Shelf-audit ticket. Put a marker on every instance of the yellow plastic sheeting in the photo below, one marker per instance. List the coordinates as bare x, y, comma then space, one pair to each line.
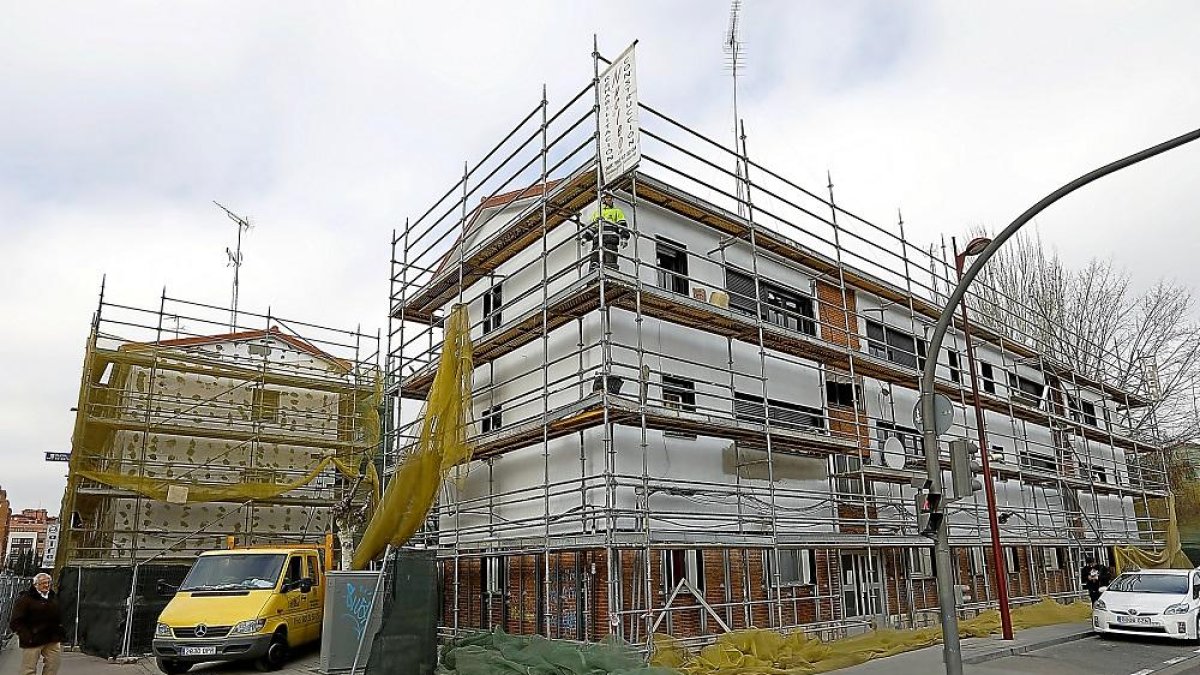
1170, 557
441, 446
156, 488
763, 652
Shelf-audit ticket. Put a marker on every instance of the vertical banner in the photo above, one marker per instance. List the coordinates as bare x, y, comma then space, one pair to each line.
620, 150
50, 552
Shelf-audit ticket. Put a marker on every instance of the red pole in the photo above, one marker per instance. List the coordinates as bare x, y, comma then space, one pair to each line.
1001, 578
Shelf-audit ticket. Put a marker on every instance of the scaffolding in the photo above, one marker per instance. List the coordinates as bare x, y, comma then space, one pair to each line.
191, 431
709, 427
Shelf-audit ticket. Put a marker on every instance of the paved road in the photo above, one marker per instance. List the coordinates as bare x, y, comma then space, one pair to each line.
1095, 656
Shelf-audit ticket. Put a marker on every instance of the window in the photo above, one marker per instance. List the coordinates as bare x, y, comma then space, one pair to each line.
683, 564
1012, 560
493, 298
781, 306
493, 575
294, 573
1050, 559
1099, 474
842, 393
955, 369
678, 393
846, 467
914, 444
1032, 460
796, 567
314, 572
920, 562
492, 419
1024, 387
265, 404
989, 377
1088, 411
786, 415
976, 561
997, 454
888, 343
672, 265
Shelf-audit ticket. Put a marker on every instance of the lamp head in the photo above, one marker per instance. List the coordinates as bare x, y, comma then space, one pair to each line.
976, 246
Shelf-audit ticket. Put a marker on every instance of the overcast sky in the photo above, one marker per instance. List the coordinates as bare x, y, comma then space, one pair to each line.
329, 123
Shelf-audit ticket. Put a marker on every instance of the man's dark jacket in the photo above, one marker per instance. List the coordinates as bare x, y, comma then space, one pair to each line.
36, 620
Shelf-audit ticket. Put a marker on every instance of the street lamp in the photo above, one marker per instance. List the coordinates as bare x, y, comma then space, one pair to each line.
947, 610
975, 247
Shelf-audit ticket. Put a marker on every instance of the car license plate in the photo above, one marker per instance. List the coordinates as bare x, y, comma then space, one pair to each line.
197, 651
1133, 619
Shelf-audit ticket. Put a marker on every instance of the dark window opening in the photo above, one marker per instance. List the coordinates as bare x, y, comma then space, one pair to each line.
842, 393
750, 408
492, 419
1026, 386
989, 377
780, 305
955, 369
1032, 460
265, 403
683, 564
678, 393
898, 347
493, 570
796, 567
493, 298
1089, 412
672, 265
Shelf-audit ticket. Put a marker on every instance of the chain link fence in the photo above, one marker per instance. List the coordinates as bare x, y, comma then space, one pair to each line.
10, 588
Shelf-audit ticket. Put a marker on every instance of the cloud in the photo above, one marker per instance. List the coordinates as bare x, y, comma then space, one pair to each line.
329, 124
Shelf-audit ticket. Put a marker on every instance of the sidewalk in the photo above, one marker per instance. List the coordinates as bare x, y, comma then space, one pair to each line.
78, 663
974, 651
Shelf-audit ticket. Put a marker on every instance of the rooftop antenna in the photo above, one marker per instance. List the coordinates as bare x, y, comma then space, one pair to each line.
235, 261
735, 62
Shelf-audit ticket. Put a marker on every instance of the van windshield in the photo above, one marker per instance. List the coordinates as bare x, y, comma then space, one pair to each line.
1150, 583
234, 572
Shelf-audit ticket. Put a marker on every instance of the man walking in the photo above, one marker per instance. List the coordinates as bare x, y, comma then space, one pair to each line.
1094, 577
37, 621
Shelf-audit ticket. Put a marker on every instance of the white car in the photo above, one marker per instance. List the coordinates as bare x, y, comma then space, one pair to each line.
1150, 602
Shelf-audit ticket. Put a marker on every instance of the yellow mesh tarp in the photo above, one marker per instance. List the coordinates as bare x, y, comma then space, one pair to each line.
1170, 557
763, 652
442, 445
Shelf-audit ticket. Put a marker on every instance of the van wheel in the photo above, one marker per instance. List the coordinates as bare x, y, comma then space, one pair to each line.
169, 667
276, 654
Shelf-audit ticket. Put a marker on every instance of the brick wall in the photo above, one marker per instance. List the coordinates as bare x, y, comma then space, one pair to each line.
832, 312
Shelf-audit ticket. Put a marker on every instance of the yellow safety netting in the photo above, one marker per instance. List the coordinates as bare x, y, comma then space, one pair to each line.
1170, 557
441, 446
764, 652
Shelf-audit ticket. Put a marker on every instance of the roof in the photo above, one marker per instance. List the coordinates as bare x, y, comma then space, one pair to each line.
282, 548
1173, 572
273, 332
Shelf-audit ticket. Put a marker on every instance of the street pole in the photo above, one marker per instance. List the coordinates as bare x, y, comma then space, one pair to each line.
951, 653
998, 565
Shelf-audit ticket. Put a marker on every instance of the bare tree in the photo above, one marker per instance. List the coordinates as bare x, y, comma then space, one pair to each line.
1092, 321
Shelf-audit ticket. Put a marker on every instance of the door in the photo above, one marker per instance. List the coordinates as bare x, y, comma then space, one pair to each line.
316, 596
295, 600
862, 588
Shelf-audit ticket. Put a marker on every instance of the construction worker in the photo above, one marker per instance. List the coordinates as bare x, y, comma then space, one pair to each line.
607, 231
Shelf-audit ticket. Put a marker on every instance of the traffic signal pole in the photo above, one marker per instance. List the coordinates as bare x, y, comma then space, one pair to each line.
989, 487
951, 652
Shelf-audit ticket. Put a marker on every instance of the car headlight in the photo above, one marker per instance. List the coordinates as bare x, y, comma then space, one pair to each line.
162, 630
248, 626
1178, 608
1099, 604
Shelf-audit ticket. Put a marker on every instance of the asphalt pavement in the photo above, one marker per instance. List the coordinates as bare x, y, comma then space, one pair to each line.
1095, 656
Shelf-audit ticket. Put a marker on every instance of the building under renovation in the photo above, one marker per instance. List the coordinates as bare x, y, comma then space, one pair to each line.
196, 430
701, 418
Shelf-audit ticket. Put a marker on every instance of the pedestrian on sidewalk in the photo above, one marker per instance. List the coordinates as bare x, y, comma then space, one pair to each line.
1095, 576
37, 621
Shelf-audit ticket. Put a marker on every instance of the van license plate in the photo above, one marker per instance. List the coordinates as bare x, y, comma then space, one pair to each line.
197, 651
1133, 619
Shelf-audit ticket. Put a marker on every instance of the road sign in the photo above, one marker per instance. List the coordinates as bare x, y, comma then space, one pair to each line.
58, 456
943, 414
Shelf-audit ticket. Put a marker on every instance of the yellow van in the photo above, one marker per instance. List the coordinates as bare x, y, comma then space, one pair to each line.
243, 604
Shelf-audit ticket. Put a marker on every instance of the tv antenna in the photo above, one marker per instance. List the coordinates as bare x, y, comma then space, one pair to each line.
735, 62
234, 261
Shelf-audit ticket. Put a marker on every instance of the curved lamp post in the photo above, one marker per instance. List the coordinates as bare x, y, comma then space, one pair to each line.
952, 655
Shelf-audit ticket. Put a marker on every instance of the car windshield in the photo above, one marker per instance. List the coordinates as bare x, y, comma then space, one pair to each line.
1150, 583
234, 572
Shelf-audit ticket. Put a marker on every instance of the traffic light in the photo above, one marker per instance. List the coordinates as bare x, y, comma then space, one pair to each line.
962, 595
963, 467
929, 516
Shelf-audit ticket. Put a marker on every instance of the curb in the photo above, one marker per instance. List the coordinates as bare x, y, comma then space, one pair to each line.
1027, 647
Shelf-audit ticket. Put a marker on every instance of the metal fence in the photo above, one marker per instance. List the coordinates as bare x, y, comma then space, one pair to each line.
10, 588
